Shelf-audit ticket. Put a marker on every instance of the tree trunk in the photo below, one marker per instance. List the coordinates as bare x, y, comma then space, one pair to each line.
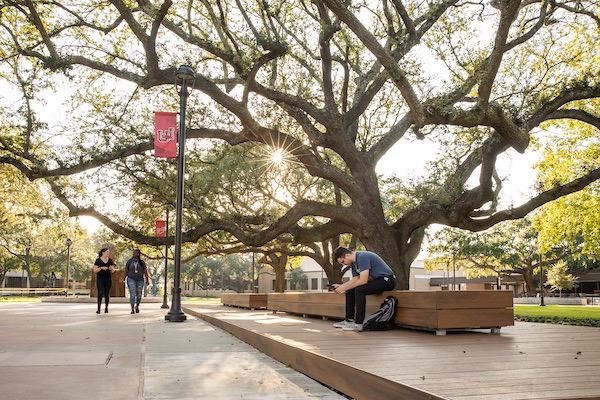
27, 265
333, 273
332, 269
280, 280
2, 275
278, 263
528, 277
397, 253
395, 244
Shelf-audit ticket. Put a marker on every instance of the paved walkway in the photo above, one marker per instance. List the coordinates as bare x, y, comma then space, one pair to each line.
66, 351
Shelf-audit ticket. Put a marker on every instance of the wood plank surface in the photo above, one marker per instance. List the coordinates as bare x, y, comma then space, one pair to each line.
474, 318
420, 309
356, 383
412, 298
473, 299
525, 361
246, 300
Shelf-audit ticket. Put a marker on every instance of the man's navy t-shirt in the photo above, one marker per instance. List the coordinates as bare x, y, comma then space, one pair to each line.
367, 260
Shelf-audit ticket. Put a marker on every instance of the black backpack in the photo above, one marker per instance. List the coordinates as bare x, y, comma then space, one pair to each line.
383, 319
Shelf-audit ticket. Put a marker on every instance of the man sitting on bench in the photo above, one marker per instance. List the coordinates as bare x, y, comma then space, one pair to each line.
370, 275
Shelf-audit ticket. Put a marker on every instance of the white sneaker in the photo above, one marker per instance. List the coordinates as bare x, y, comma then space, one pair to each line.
353, 327
342, 324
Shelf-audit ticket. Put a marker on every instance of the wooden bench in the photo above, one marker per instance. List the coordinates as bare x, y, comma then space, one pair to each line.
117, 288
246, 300
433, 310
32, 291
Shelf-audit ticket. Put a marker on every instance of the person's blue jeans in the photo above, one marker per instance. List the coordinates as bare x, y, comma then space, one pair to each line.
135, 291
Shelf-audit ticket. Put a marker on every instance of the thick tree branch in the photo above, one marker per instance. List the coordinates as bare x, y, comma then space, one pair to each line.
150, 44
521, 211
295, 101
493, 116
508, 13
391, 137
327, 32
529, 34
285, 224
383, 56
318, 234
37, 21
408, 23
577, 10
579, 115
454, 202
278, 51
35, 172
566, 96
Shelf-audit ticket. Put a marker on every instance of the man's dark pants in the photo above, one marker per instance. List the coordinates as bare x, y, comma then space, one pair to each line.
356, 298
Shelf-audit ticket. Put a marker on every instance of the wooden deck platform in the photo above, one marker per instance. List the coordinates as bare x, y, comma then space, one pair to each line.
525, 361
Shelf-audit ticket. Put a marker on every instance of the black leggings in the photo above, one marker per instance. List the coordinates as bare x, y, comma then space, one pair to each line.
103, 286
356, 301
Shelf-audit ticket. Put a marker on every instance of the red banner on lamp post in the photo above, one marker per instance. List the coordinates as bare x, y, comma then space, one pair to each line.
160, 228
165, 134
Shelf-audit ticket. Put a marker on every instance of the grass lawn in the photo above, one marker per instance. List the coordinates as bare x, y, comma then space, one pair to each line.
19, 299
204, 300
568, 315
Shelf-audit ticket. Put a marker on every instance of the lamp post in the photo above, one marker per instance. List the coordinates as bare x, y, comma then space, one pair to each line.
69, 242
453, 271
252, 284
164, 304
541, 282
185, 75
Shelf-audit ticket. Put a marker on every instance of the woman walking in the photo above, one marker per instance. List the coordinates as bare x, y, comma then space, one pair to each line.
135, 271
103, 267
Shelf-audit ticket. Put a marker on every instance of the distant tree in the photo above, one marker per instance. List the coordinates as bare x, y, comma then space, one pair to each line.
278, 261
297, 278
508, 248
559, 277
571, 221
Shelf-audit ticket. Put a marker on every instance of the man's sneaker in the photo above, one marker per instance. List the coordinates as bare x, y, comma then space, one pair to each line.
353, 327
342, 324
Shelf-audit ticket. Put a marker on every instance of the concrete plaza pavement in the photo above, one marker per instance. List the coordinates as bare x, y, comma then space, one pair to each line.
66, 351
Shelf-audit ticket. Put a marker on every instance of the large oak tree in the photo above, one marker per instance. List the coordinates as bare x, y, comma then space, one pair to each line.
336, 84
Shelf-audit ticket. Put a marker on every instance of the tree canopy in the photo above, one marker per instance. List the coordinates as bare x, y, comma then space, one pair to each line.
572, 221
508, 248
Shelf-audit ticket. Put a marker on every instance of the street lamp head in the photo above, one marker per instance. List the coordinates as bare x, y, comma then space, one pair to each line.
69, 242
185, 72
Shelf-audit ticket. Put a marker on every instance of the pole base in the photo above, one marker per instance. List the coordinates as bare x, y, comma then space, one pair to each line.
164, 305
175, 317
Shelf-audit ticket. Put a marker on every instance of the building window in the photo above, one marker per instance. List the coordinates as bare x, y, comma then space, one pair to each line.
273, 287
314, 284
324, 283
